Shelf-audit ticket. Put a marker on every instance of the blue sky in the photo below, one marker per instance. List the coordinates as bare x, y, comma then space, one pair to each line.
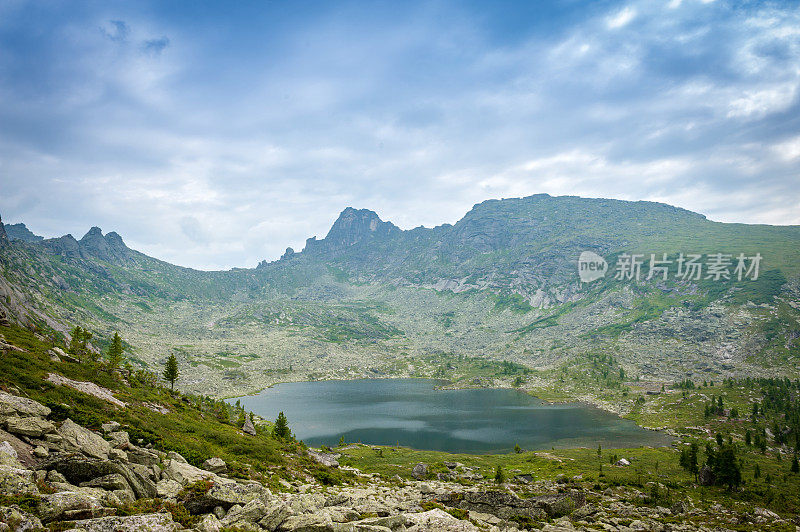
213, 136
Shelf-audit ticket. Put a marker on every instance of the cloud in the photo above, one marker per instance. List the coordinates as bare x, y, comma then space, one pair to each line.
215, 138
116, 30
155, 46
621, 19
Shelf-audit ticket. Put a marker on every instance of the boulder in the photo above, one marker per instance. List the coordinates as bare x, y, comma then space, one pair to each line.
18, 520
15, 480
326, 459
110, 426
215, 465
83, 440
248, 427
308, 523
144, 457
247, 515
184, 473
439, 521
622, 462
160, 522
275, 516
58, 505
12, 405
168, 489
209, 523
111, 482
77, 470
32, 427
420, 471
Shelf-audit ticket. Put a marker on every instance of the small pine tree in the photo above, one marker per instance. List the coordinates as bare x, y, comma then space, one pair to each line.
795, 465
281, 428
499, 476
171, 371
517, 448
341, 441
114, 354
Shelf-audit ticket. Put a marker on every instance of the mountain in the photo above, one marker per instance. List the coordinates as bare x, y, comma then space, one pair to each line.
20, 232
499, 286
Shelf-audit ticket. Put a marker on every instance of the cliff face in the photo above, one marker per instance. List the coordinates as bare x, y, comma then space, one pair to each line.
3, 237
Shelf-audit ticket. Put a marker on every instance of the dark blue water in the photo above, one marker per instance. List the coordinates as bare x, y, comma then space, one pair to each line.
412, 413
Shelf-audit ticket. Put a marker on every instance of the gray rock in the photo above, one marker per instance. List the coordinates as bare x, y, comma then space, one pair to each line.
215, 465
110, 426
111, 482
18, 520
78, 470
119, 439
32, 427
168, 489
326, 459
12, 405
209, 523
275, 516
184, 473
15, 480
160, 522
57, 505
84, 440
308, 523
420, 471
248, 427
144, 457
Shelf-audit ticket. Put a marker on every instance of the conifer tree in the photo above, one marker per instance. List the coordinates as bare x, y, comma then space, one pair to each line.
171, 371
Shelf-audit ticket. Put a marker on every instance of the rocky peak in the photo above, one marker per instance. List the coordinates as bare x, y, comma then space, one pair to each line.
21, 232
354, 226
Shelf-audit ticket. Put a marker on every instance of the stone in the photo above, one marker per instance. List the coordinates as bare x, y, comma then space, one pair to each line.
119, 439
168, 488
88, 388
183, 473
209, 523
144, 457
57, 505
6, 449
248, 427
12, 405
326, 459
439, 521
18, 520
160, 522
41, 452
420, 471
15, 480
172, 455
308, 523
32, 427
118, 454
77, 470
276, 515
110, 426
215, 465
84, 440
111, 482
622, 462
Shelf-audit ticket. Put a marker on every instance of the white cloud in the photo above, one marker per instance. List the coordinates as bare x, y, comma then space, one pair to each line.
621, 19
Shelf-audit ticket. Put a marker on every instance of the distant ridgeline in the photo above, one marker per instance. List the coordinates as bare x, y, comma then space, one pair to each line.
501, 283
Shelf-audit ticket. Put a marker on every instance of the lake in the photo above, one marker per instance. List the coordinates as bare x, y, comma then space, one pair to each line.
414, 414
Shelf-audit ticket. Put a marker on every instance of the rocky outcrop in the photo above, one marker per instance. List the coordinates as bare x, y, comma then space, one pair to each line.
21, 232
350, 228
89, 388
4, 241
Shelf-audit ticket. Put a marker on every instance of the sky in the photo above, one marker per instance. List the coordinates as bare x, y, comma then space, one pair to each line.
216, 134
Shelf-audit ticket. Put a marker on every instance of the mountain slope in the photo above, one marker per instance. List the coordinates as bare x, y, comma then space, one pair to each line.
370, 299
